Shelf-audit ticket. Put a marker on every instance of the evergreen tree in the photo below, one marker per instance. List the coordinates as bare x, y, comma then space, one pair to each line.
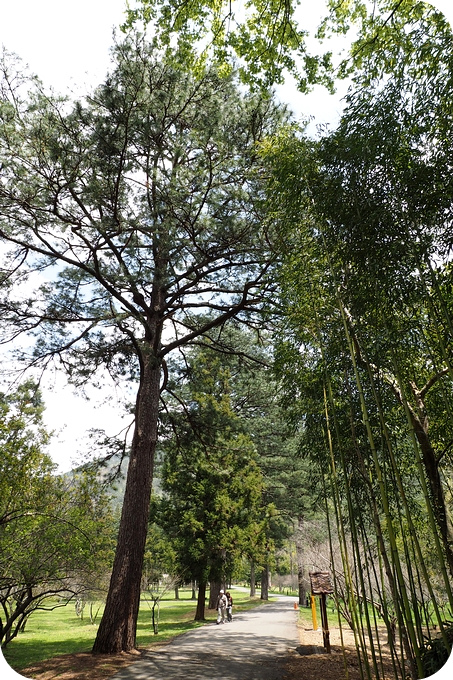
141, 206
212, 484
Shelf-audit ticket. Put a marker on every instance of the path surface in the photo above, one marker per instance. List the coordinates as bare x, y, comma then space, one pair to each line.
253, 646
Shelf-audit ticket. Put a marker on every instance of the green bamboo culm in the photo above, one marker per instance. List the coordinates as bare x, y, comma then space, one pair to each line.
332, 558
407, 631
349, 582
402, 497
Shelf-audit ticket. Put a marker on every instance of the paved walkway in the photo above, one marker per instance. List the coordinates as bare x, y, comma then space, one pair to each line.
252, 647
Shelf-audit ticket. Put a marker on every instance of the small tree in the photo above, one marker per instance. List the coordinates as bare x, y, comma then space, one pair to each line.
153, 592
53, 530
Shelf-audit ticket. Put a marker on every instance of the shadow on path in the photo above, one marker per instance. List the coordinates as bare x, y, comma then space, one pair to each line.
253, 647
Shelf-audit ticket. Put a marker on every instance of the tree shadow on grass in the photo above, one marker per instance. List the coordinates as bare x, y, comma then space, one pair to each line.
82, 666
18, 653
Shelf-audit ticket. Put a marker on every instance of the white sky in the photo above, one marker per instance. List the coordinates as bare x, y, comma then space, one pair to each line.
67, 45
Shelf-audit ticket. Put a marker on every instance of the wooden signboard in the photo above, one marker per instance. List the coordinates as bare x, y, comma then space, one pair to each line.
321, 585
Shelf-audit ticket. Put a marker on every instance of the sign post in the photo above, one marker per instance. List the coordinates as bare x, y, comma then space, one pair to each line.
322, 586
313, 613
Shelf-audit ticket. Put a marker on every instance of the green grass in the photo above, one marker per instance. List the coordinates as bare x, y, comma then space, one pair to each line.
306, 618
51, 633
48, 634
284, 591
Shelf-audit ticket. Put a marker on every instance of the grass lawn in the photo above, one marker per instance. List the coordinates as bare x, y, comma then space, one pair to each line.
51, 633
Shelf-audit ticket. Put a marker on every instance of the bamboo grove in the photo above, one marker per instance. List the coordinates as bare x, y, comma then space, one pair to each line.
365, 213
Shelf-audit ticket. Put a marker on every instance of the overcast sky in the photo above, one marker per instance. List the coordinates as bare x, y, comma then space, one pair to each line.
67, 45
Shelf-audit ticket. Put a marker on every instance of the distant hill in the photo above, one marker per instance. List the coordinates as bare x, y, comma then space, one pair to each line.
108, 473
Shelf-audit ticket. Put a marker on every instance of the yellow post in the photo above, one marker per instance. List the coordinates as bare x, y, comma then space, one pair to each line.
313, 612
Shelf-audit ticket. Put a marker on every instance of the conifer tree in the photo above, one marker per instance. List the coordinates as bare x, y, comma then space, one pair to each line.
141, 209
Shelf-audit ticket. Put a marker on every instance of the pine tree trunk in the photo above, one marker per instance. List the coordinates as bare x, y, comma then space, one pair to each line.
117, 630
214, 591
199, 614
265, 583
252, 579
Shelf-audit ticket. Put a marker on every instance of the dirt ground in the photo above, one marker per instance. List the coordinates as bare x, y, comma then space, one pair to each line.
88, 667
308, 662
83, 666
311, 662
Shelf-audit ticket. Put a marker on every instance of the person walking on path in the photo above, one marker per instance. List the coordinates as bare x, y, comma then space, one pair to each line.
221, 606
229, 607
